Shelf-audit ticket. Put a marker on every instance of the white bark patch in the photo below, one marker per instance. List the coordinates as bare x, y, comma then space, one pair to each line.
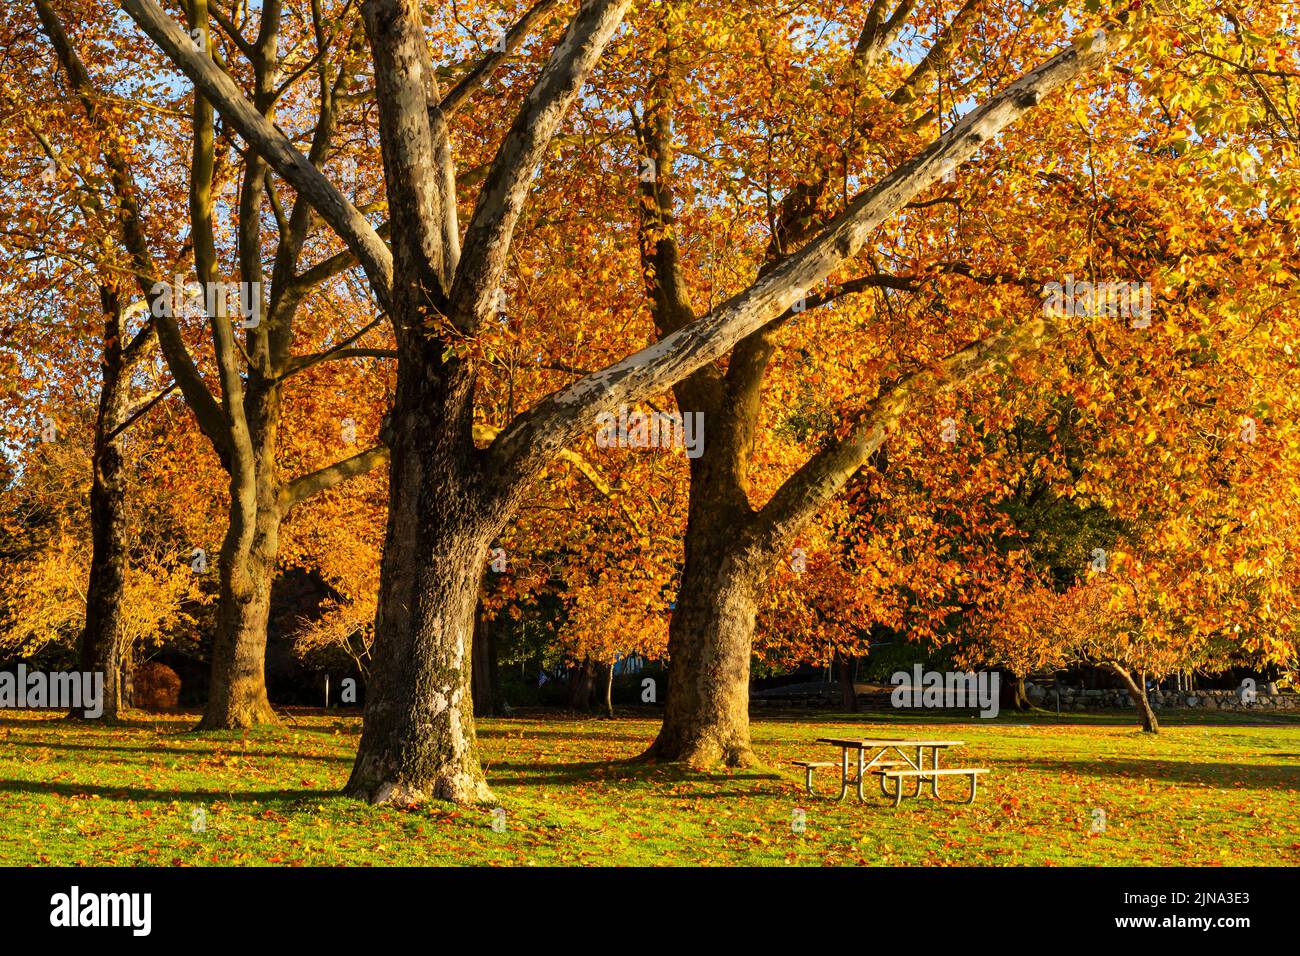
439, 704
456, 743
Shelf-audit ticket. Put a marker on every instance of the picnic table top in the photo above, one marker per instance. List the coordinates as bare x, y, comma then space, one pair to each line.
855, 742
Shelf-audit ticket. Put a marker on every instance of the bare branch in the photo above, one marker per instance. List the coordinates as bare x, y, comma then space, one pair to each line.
270, 143
473, 81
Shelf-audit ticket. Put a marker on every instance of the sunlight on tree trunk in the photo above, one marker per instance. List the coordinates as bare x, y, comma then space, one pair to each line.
706, 716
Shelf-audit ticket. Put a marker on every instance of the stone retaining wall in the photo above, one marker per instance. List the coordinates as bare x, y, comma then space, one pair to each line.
1072, 698
1078, 699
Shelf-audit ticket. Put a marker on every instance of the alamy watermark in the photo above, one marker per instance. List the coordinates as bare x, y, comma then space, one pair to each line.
239, 300
75, 908
952, 689
61, 690
630, 428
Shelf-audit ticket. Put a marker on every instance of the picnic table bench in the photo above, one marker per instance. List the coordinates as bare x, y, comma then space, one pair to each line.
892, 763
933, 776
876, 768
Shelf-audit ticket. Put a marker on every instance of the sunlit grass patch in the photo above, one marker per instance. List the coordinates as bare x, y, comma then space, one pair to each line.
1222, 791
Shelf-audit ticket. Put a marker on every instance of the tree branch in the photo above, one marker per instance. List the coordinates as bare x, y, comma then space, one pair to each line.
303, 487
538, 434
270, 143
501, 201
822, 477
878, 33
666, 288
300, 362
406, 91
473, 81
198, 396
937, 55
486, 433
140, 410
203, 236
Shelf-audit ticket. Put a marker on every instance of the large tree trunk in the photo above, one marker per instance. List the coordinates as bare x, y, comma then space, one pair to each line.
237, 697
418, 740
706, 718
103, 641
1138, 695
1020, 700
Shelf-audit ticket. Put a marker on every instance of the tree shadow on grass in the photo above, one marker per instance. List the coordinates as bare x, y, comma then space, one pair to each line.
1216, 776
160, 796
613, 771
344, 721
533, 732
173, 724
59, 720
183, 751
716, 795
182, 726
874, 717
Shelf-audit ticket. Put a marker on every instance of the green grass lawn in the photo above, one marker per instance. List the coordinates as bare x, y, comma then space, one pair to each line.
1218, 789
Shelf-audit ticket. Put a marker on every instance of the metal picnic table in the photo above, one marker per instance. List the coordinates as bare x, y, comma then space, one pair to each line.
882, 747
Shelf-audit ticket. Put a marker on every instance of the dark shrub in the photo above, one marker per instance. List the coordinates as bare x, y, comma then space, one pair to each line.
155, 686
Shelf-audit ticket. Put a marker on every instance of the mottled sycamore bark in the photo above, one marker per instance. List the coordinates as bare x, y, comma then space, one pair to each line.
418, 737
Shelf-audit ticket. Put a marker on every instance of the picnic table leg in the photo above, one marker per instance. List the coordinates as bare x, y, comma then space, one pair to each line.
974, 782
934, 779
883, 781
862, 772
844, 772
807, 782
915, 765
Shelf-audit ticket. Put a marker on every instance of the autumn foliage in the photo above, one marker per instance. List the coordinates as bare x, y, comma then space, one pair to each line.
1038, 408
